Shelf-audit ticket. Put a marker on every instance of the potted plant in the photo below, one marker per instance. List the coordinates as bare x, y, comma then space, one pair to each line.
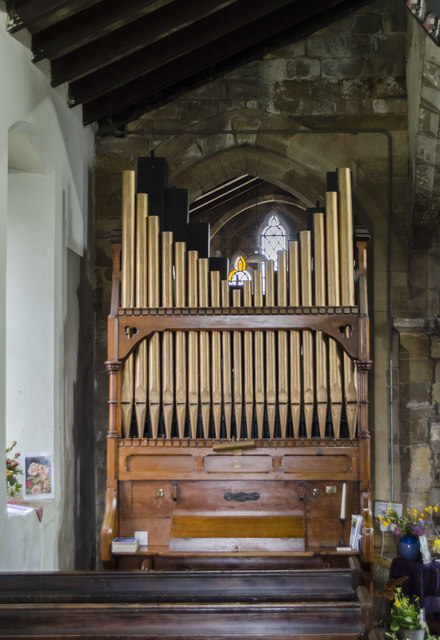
407, 528
405, 620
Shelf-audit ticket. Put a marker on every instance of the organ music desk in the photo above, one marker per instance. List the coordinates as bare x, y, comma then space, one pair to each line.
236, 414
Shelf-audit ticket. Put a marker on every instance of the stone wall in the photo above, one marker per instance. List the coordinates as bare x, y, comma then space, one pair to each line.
337, 98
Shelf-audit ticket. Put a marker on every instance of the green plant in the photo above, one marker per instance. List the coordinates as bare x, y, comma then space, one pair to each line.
392, 635
405, 613
13, 471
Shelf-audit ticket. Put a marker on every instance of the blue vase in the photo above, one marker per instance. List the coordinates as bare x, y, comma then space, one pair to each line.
408, 547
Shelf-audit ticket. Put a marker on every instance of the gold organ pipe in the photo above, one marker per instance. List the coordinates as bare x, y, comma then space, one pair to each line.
307, 337
216, 366
346, 237
295, 340
181, 364
283, 368
154, 342
193, 347
320, 299
127, 289
167, 337
205, 370
128, 238
140, 384
271, 398
259, 358
237, 368
227, 364
347, 289
248, 364
333, 298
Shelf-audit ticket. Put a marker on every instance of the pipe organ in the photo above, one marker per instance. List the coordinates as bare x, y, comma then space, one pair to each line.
236, 414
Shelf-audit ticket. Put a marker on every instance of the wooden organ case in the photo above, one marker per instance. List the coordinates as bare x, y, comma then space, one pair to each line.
236, 415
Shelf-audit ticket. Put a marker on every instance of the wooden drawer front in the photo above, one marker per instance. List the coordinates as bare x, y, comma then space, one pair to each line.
144, 498
263, 497
156, 465
238, 464
341, 466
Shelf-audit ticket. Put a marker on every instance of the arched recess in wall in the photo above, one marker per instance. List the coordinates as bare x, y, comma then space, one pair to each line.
295, 159
30, 330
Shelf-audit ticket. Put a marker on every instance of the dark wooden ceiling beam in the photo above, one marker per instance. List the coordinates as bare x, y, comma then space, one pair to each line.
35, 15
244, 14
162, 23
152, 94
88, 26
218, 57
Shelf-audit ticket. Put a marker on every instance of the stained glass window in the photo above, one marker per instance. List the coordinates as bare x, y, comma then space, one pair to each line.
273, 238
238, 274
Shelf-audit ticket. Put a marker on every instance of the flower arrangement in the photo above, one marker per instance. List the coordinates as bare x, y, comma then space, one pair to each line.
13, 471
413, 522
405, 613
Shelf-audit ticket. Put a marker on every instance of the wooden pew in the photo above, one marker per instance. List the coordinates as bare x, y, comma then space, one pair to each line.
286, 604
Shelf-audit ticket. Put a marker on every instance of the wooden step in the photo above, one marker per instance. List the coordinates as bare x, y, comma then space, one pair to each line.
178, 586
189, 621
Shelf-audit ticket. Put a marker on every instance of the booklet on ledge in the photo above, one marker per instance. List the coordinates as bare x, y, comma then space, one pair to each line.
356, 532
125, 545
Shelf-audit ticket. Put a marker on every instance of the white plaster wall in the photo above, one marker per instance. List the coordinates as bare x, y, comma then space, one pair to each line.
43, 419
29, 323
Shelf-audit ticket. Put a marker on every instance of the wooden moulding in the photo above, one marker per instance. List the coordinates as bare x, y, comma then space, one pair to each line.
332, 463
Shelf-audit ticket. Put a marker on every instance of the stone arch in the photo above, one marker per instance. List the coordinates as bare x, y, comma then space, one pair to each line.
292, 157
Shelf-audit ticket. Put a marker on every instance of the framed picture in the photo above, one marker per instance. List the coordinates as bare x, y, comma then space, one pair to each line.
38, 476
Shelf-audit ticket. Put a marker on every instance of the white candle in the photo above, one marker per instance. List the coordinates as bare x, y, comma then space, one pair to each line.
343, 499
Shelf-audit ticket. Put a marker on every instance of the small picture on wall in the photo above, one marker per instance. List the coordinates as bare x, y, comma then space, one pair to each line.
38, 475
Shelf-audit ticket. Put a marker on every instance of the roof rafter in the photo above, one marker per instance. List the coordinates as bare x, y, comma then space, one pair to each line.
115, 46
122, 59
39, 14
217, 57
93, 25
232, 24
